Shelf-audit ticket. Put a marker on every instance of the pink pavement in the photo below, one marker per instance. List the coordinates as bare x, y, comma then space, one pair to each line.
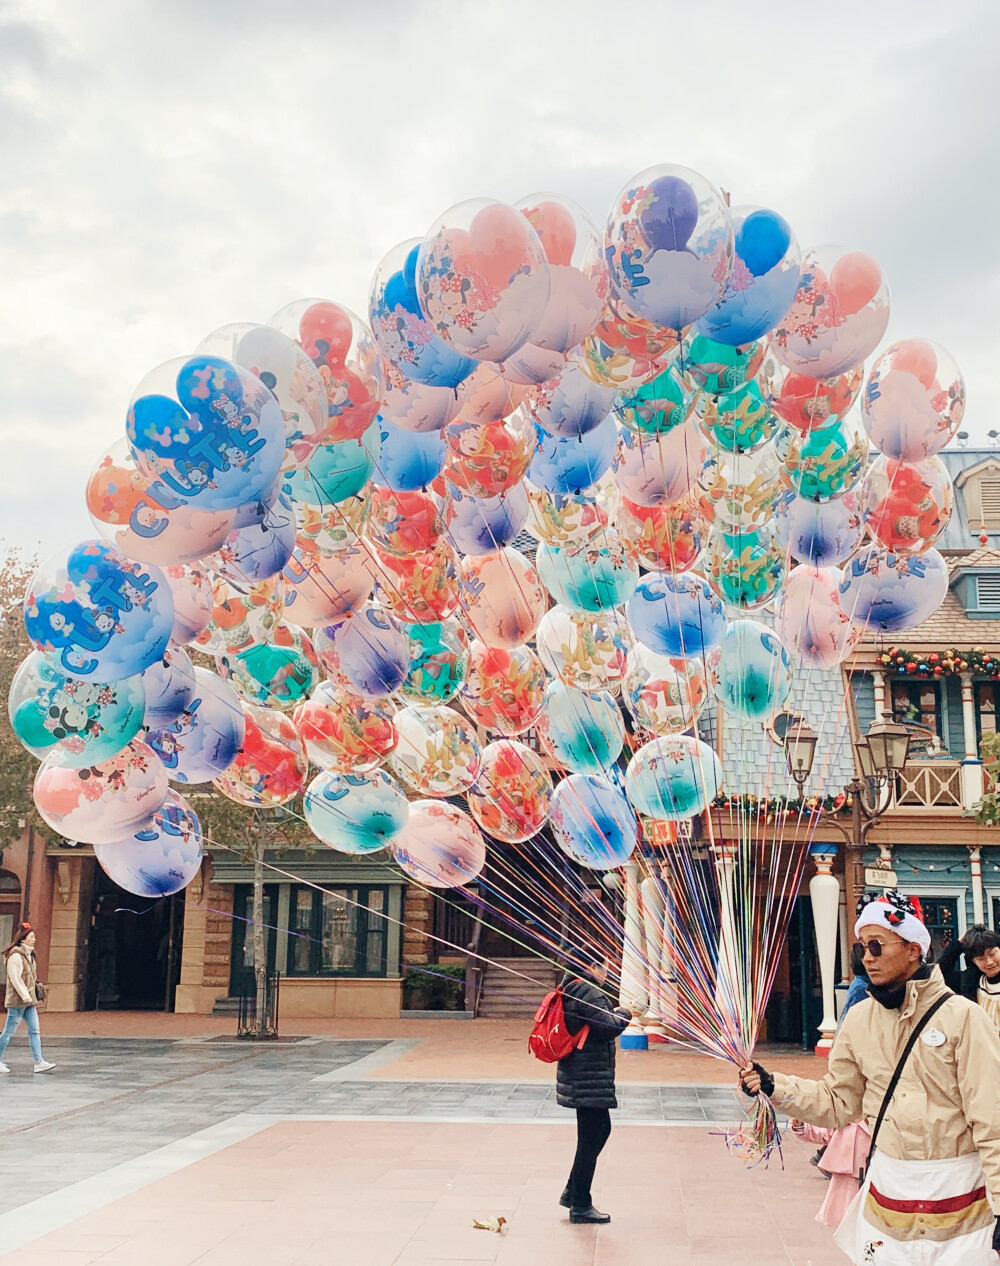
325, 1193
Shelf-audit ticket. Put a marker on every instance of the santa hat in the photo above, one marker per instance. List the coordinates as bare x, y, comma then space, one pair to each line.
896, 913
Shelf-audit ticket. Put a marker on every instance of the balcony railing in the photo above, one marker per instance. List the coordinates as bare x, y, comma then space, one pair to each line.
933, 785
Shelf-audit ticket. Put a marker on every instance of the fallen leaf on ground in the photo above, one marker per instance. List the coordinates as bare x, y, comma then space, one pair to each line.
490, 1224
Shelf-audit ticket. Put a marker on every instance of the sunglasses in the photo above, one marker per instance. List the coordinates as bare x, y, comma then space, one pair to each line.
874, 948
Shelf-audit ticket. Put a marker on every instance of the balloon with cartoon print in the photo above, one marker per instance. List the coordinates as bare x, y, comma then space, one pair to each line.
656, 406
838, 315
485, 460
510, 799
329, 529
145, 519
355, 813
653, 470
369, 649
827, 463
502, 597
439, 661
169, 686
740, 421
504, 689
739, 491
275, 674
271, 766
335, 472
437, 753
191, 588
824, 533
403, 522
914, 400
322, 587
84, 721
669, 537
407, 459
413, 408
594, 576
242, 618
343, 732
476, 525
805, 403
582, 649
664, 694
583, 731
440, 846
564, 518
753, 677
342, 348
260, 551
422, 586
762, 281
593, 823
207, 429
718, 369
97, 614
907, 505
571, 403
161, 857
103, 802
565, 464
203, 740
888, 593
673, 778
483, 279
625, 351
745, 569
404, 334
676, 615
668, 243
810, 619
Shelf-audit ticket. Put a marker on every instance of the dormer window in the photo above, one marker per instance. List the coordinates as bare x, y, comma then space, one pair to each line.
988, 592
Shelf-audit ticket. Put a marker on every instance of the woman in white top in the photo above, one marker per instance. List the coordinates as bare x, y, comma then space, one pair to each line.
22, 996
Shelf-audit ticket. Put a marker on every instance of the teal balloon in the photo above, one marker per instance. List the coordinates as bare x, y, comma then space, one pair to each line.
740, 421
656, 407
439, 661
336, 471
86, 722
754, 676
273, 674
746, 568
355, 813
718, 368
826, 463
673, 778
585, 731
592, 576
593, 823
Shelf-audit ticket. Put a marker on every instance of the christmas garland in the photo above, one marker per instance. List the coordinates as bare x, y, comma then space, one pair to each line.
945, 663
782, 806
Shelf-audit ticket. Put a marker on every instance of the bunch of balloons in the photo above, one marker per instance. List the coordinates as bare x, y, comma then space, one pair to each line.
560, 478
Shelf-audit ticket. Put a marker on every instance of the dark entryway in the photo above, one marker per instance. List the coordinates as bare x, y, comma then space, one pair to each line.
134, 949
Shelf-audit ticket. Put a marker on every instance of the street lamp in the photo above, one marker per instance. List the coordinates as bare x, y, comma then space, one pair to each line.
800, 751
889, 744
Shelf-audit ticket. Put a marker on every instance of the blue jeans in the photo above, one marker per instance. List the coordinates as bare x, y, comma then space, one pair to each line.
30, 1017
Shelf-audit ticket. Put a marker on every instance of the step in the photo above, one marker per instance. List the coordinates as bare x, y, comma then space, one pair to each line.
226, 1006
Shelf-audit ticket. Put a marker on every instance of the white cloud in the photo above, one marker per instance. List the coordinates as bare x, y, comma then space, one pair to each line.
168, 168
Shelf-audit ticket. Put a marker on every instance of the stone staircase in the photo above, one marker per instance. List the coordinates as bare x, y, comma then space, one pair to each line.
507, 995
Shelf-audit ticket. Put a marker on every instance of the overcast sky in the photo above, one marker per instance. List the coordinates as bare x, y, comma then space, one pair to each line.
167, 167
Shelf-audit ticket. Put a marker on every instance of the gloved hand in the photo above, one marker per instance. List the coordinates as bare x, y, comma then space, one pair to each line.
996, 1236
755, 1080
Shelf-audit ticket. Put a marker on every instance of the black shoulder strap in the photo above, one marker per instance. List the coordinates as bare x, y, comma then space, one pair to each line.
918, 1028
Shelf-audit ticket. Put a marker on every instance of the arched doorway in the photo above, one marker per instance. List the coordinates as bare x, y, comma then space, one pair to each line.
10, 906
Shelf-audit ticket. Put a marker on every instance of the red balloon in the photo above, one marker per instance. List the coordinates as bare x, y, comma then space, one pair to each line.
556, 230
855, 279
498, 244
917, 357
326, 333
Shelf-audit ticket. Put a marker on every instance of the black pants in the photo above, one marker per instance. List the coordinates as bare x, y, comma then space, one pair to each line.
593, 1129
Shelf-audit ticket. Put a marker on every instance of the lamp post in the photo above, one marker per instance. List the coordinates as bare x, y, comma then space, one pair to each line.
881, 755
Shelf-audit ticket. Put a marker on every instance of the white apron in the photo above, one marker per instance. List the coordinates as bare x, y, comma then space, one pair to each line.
920, 1213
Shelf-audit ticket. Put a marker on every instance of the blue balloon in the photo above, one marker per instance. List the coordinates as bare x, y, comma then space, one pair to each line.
162, 857
479, 525
355, 813
586, 731
676, 614
371, 650
754, 673
674, 777
336, 471
887, 592
762, 241
259, 551
825, 533
204, 740
169, 686
409, 459
218, 442
571, 463
254, 512
669, 213
401, 330
95, 613
763, 281
593, 822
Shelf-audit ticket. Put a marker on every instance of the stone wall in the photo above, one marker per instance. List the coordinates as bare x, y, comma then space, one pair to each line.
418, 926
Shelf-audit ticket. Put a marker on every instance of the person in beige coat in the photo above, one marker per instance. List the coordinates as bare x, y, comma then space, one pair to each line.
21, 998
932, 1191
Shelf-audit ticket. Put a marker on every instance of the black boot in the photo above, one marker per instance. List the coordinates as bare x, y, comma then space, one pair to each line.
565, 1199
588, 1215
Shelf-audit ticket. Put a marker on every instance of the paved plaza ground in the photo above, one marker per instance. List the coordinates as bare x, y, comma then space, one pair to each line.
161, 1141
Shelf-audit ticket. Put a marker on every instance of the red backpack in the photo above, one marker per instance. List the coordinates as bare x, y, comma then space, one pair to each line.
549, 1039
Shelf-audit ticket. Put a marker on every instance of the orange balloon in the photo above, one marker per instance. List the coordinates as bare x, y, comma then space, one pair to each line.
855, 279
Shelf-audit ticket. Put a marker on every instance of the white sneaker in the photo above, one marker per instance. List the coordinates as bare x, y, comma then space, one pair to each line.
44, 1067
4, 1068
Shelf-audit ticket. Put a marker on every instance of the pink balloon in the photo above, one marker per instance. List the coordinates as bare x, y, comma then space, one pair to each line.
659, 469
321, 587
502, 597
440, 845
810, 620
193, 602
914, 400
106, 802
855, 279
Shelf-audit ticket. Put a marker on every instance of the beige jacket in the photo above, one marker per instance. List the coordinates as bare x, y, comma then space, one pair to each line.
947, 1102
22, 976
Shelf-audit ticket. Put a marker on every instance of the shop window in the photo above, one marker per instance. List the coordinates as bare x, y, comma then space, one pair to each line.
337, 931
987, 699
917, 704
242, 958
941, 920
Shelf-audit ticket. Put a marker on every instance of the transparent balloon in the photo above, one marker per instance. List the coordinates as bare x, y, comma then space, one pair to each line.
827, 463
510, 799
103, 802
625, 351
656, 406
260, 551
439, 661
202, 741
718, 368
739, 422
343, 732
914, 400
241, 619
594, 576
583, 731
563, 518
485, 460
98, 615
407, 460
907, 505
437, 753
838, 315
404, 523
592, 821
321, 587
668, 243
329, 529
665, 695
571, 403
335, 472
420, 587
888, 593
754, 674
673, 778
741, 491
355, 813
477, 525
810, 620
652, 471
271, 766
161, 857
413, 408
504, 688
668, 537
169, 686
502, 597
823, 533
583, 650
191, 589
745, 568
578, 282
677, 615
806, 403
570, 464
276, 674
370, 650
440, 846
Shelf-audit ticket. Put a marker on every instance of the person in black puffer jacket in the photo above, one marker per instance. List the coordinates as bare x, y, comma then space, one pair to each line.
585, 1080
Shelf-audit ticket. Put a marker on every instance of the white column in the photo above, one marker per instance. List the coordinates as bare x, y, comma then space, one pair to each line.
878, 678
632, 991
651, 901
824, 890
978, 903
728, 995
972, 766
668, 985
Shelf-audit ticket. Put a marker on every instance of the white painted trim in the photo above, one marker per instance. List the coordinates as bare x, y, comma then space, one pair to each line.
989, 893
919, 889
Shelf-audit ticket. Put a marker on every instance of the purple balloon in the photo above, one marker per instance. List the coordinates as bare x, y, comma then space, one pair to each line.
669, 221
